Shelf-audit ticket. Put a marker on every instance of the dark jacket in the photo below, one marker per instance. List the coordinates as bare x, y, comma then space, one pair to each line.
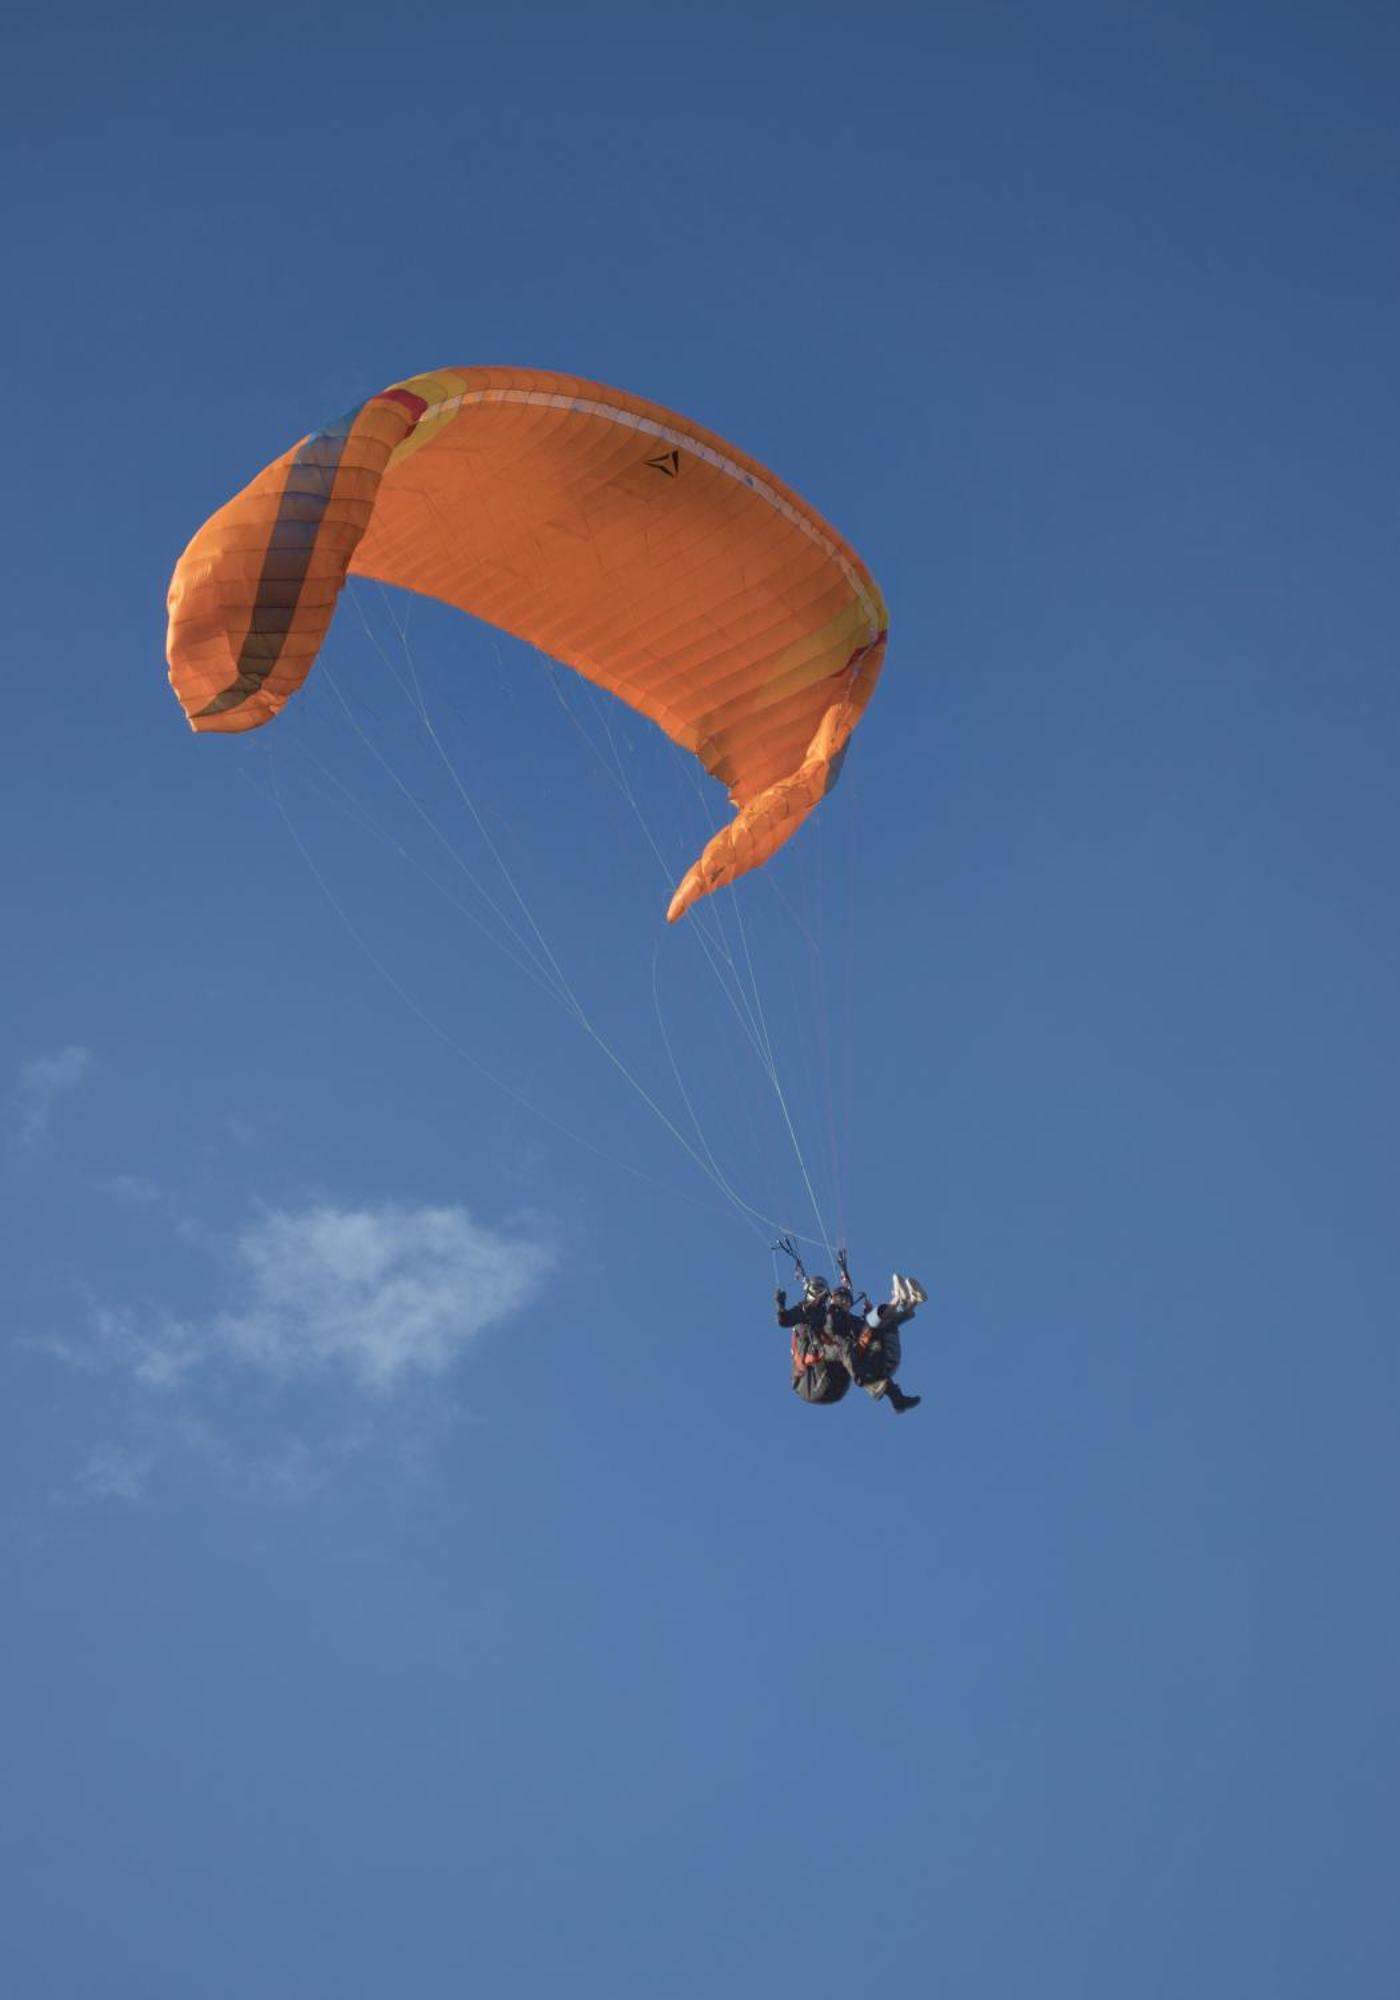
819, 1371
875, 1350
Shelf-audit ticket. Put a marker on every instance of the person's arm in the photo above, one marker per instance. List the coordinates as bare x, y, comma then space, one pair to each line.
787, 1315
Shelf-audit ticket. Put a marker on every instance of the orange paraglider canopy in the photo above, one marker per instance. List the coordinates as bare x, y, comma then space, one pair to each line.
630, 544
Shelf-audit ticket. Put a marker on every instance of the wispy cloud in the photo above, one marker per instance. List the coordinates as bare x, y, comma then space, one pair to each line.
292, 1468
154, 1348
379, 1294
42, 1083
112, 1472
367, 1301
373, 1295
134, 1190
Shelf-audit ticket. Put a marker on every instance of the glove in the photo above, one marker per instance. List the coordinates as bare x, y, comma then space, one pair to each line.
780, 1298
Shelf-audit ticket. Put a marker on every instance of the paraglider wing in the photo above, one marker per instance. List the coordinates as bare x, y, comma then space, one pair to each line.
625, 541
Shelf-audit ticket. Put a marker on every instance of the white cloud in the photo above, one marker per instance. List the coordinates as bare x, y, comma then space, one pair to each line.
378, 1294
42, 1083
363, 1302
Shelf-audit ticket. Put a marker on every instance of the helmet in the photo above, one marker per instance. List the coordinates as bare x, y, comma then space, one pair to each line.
842, 1295
815, 1288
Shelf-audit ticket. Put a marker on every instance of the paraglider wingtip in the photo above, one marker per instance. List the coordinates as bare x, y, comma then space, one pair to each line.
689, 892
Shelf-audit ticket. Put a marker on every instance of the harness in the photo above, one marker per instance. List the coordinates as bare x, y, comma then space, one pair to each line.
810, 1346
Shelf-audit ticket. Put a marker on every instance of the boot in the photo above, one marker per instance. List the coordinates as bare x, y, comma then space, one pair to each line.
899, 1402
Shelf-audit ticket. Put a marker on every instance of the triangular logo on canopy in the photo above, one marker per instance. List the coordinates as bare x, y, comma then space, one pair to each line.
669, 463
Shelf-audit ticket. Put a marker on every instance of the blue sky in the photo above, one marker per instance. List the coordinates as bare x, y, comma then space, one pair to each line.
417, 1574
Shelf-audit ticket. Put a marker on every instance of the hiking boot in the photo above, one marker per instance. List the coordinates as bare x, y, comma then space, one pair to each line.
899, 1402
